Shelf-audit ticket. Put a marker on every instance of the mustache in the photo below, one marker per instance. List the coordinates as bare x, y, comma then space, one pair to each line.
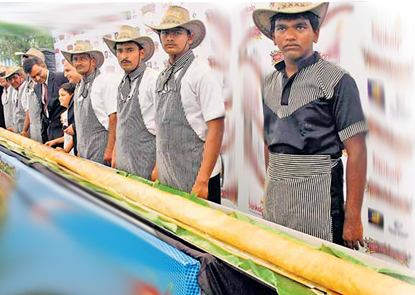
125, 60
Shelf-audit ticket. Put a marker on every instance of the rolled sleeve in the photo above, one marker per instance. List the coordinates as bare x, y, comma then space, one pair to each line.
347, 109
211, 98
110, 94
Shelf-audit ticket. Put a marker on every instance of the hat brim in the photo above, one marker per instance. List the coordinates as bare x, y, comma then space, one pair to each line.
196, 27
29, 54
145, 41
11, 73
262, 17
98, 55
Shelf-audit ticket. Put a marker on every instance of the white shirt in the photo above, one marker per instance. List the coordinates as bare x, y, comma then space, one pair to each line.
201, 93
5, 96
146, 98
67, 137
20, 93
45, 86
104, 91
26, 96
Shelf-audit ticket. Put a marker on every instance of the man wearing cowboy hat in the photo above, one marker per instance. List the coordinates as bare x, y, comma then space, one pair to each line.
16, 78
312, 112
47, 91
6, 101
4, 85
135, 150
189, 110
95, 104
33, 121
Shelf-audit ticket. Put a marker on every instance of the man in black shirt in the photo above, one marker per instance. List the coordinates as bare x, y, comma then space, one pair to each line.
312, 112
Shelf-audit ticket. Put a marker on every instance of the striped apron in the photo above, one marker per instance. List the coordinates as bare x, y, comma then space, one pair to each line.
135, 145
19, 114
35, 109
179, 149
92, 137
304, 192
7, 106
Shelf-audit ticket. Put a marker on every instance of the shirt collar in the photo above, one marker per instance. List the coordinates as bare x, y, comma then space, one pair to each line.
182, 60
280, 67
47, 77
91, 76
19, 89
137, 72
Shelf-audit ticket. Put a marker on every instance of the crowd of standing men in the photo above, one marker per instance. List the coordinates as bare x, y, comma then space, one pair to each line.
145, 123
169, 126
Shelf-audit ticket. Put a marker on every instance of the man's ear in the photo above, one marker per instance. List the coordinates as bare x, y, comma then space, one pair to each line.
273, 38
191, 38
316, 35
94, 62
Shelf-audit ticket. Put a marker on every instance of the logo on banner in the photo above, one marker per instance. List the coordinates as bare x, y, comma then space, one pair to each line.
250, 8
148, 8
372, 246
257, 208
347, 8
397, 230
277, 56
400, 144
385, 65
386, 195
256, 33
375, 218
376, 93
381, 167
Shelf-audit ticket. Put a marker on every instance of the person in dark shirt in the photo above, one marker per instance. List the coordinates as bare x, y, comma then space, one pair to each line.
312, 111
46, 89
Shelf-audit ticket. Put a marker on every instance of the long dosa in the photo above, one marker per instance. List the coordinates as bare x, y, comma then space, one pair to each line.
333, 273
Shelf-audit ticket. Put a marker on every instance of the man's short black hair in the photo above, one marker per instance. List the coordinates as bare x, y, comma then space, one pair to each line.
188, 31
139, 46
30, 62
313, 18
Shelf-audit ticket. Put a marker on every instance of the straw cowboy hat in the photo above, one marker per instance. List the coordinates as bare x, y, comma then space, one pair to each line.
10, 71
84, 46
130, 34
177, 16
33, 52
262, 17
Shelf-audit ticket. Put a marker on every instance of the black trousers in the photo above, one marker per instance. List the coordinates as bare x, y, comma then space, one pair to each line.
214, 189
337, 203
